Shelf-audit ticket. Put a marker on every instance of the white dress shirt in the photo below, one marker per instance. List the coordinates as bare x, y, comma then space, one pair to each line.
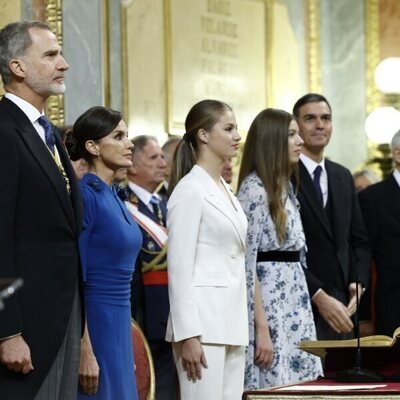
310, 166
396, 175
144, 195
30, 111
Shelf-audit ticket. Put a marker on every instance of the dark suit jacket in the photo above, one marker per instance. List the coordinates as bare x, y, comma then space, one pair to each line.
344, 245
380, 205
150, 302
39, 232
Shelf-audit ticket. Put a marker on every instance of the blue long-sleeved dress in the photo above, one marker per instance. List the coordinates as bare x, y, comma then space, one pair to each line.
109, 244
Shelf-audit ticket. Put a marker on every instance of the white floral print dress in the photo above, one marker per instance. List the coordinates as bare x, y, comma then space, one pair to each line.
284, 292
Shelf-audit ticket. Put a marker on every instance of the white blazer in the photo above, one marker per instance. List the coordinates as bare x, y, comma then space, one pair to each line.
206, 263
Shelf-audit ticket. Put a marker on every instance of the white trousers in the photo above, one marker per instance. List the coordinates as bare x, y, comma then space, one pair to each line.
222, 380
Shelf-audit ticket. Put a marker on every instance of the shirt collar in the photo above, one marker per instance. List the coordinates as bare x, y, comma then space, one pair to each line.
396, 175
28, 109
311, 164
142, 193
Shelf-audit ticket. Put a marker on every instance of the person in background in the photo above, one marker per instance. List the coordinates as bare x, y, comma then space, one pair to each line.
278, 301
110, 242
337, 242
207, 324
380, 206
367, 315
41, 217
226, 170
363, 179
168, 149
150, 305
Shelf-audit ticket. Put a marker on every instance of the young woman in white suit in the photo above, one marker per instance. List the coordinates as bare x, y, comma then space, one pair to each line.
208, 323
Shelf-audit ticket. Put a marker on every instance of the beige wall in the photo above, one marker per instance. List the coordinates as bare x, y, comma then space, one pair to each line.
389, 28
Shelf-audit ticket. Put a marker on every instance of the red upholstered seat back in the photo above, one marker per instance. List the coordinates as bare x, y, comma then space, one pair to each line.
143, 363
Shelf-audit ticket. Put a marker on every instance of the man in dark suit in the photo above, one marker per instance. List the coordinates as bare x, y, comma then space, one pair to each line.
40, 214
337, 245
150, 303
380, 206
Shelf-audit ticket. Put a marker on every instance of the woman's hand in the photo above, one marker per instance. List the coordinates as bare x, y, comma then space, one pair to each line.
264, 350
88, 367
88, 371
193, 358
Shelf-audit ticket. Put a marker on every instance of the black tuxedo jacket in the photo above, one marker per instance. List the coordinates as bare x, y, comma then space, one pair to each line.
150, 302
39, 229
380, 205
341, 244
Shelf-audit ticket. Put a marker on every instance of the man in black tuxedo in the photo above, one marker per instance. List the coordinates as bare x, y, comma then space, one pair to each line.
380, 206
337, 244
40, 214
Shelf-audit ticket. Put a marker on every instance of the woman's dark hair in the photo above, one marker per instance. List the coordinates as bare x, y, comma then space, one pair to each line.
266, 152
203, 115
94, 124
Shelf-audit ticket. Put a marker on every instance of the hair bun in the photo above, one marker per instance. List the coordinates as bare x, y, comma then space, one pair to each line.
72, 146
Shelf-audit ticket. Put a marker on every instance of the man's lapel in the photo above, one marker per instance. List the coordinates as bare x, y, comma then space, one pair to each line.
309, 194
134, 199
215, 198
392, 198
75, 195
145, 210
43, 157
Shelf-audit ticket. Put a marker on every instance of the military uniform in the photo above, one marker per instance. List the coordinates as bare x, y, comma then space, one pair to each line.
150, 303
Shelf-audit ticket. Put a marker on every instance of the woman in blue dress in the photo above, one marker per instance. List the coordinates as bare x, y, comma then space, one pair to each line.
279, 305
109, 244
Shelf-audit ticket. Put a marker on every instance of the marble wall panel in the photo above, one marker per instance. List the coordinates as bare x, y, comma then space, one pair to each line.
288, 53
115, 50
343, 78
83, 49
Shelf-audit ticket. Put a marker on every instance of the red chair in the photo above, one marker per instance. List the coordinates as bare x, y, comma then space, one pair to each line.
144, 367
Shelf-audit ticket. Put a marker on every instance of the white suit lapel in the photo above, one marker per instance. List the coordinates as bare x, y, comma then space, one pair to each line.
217, 199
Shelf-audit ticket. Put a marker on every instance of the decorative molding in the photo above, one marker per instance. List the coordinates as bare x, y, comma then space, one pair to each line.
313, 8
53, 16
373, 97
124, 55
372, 53
168, 67
105, 16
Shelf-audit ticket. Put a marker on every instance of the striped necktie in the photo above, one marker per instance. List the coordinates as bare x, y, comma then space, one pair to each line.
155, 202
48, 132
